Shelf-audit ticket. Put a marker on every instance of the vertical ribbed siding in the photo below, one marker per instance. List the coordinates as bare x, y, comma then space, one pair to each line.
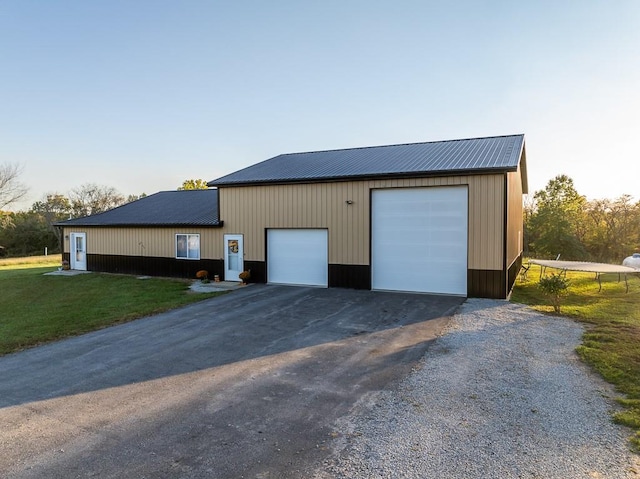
151, 242
486, 222
249, 210
514, 216
324, 205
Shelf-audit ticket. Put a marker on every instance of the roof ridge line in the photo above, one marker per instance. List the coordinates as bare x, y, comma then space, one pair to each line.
393, 144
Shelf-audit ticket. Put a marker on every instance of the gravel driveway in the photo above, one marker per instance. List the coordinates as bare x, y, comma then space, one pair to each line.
501, 394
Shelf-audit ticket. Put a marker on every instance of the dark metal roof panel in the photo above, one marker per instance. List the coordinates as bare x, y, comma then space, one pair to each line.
166, 208
500, 153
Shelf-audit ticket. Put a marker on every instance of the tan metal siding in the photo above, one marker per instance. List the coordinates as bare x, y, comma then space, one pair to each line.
153, 242
486, 222
514, 216
249, 210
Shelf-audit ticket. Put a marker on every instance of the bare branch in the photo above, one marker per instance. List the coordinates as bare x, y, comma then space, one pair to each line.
90, 199
11, 190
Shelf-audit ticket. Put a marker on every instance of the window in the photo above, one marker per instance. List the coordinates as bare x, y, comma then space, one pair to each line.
188, 246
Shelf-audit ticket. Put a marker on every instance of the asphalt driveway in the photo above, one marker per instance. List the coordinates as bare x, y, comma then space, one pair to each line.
249, 384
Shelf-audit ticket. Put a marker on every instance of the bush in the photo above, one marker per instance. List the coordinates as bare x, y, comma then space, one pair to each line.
555, 286
203, 275
244, 276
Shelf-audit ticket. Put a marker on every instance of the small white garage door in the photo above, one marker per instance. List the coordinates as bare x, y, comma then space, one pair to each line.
419, 239
298, 256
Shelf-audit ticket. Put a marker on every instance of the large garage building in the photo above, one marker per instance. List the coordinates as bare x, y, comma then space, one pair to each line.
438, 217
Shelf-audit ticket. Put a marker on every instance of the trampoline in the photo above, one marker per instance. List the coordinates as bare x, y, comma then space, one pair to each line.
585, 266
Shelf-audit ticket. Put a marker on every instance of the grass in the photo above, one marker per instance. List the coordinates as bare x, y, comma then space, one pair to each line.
611, 342
37, 309
28, 261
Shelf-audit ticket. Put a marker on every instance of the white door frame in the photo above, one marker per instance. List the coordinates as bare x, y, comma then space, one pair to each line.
78, 251
233, 260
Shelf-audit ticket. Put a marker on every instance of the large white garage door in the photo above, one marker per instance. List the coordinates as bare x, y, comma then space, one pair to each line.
419, 239
298, 256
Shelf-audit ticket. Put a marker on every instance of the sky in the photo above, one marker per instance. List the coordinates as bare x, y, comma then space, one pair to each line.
142, 95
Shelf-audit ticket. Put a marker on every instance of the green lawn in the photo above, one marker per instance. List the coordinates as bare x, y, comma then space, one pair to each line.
28, 261
611, 343
37, 309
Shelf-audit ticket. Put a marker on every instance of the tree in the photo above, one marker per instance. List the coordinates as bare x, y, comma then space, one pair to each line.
53, 208
529, 236
27, 233
11, 190
557, 222
6, 219
90, 199
613, 228
131, 198
194, 185
6, 225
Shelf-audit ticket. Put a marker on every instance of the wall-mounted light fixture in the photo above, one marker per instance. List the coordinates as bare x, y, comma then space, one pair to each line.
349, 202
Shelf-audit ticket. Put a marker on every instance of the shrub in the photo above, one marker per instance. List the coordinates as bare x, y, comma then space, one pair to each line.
244, 276
203, 275
555, 286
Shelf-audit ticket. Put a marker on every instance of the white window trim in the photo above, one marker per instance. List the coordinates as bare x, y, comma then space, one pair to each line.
188, 235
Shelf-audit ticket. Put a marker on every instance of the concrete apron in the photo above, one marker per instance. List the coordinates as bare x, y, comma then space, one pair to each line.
196, 286
66, 272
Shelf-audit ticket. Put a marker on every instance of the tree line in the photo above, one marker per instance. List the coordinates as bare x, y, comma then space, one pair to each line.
29, 232
560, 221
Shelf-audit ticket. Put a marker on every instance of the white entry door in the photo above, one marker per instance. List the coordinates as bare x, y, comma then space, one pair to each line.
78, 251
233, 257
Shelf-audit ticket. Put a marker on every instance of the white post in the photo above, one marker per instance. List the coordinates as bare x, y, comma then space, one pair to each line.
45, 251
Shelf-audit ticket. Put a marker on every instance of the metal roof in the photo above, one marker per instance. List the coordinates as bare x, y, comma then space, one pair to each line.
166, 208
498, 153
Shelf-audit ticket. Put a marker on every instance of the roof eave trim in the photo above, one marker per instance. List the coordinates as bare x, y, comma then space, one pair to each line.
220, 224
331, 179
524, 175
